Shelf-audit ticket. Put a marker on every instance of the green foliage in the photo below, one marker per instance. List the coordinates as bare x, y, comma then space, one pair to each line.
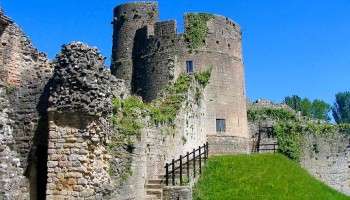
291, 136
197, 30
259, 176
306, 108
203, 78
341, 108
126, 118
317, 109
290, 131
294, 102
320, 110
10, 88
278, 114
290, 139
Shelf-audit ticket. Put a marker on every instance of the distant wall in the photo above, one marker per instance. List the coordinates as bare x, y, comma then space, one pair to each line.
328, 160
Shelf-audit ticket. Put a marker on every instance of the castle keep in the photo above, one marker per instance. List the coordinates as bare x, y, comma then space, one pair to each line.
149, 54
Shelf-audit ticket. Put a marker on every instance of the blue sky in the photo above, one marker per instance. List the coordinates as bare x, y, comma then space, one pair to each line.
289, 47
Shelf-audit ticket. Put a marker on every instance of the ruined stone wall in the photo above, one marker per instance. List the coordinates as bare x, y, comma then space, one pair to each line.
80, 108
13, 184
128, 18
24, 72
328, 159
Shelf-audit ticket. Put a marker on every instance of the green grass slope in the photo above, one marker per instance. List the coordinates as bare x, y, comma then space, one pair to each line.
259, 176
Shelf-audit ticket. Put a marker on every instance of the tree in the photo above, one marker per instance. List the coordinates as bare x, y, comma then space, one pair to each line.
317, 109
341, 108
294, 102
306, 107
320, 110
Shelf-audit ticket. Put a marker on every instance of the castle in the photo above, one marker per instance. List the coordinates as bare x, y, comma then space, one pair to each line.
72, 129
63, 136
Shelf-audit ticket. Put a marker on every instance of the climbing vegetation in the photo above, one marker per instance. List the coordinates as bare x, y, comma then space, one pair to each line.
290, 130
128, 113
197, 29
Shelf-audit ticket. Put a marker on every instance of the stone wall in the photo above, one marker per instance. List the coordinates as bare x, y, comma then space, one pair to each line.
24, 72
179, 192
80, 106
13, 184
328, 159
225, 145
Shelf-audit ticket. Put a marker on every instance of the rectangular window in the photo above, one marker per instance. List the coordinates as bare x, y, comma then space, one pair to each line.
220, 125
189, 66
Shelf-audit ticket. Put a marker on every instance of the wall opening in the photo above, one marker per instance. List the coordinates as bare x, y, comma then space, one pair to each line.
220, 125
189, 66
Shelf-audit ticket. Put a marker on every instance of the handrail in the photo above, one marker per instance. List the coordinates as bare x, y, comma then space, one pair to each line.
188, 160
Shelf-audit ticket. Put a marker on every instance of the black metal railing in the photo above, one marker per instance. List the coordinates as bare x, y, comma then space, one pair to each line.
268, 147
187, 161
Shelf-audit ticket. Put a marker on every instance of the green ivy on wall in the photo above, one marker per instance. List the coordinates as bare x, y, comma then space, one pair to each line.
197, 29
290, 130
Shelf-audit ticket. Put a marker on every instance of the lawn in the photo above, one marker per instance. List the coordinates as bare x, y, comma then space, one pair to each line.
259, 176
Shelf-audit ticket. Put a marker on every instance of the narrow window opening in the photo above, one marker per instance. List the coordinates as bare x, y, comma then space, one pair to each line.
217, 42
158, 44
189, 66
161, 32
222, 32
229, 46
220, 125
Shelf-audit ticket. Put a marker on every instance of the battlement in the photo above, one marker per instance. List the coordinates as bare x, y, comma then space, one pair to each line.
165, 28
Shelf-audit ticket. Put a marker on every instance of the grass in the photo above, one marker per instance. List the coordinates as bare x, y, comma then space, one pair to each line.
259, 176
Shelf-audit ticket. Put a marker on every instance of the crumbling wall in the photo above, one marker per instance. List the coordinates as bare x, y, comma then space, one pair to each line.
13, 184
80, 106
24, 72
328, 159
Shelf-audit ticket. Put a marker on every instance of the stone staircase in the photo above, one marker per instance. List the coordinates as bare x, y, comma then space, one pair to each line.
188, 167
154, 188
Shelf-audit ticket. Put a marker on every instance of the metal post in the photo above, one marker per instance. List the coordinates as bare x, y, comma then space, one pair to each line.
207, 150
188, 165
173, 172
205, 153
180, 169
194, 163
200, 161
167, 174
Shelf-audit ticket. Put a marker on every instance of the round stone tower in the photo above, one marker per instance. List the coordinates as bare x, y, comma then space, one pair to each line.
168, 53
128, 19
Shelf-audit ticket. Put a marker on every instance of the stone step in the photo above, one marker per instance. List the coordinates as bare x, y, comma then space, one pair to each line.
155, 192
154, 186
156, 181
151, 197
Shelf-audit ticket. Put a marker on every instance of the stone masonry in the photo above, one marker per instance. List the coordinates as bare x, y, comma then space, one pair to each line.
57, 136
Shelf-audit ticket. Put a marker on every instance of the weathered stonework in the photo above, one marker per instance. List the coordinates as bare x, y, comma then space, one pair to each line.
328, 159
150, 54
80, 106
24, 72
